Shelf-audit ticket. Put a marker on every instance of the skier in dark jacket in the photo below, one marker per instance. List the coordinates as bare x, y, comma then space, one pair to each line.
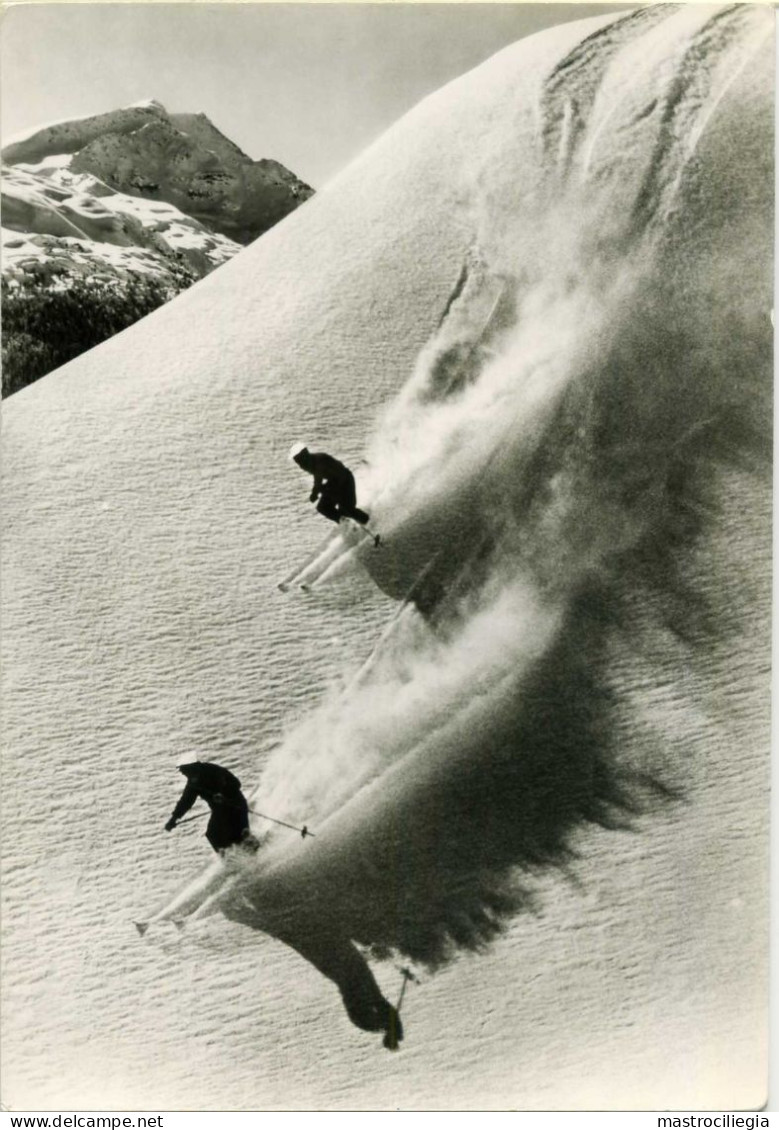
221, 790
334, 489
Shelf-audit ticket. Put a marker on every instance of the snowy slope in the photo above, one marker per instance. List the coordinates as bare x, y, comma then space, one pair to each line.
540, 306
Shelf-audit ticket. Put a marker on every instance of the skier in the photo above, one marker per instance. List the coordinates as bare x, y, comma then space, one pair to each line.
221, 790
334, 490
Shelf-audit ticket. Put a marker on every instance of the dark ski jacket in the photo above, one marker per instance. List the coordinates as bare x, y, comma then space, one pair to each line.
218, 787
331, 478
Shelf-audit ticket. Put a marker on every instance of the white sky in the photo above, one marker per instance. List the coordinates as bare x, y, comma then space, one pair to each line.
309, 85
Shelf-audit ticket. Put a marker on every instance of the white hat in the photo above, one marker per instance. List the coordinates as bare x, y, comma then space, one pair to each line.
296, 449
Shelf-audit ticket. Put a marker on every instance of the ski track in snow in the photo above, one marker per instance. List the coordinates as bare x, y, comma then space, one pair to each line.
583, 458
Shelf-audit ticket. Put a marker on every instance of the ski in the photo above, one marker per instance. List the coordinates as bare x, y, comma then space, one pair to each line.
285, 583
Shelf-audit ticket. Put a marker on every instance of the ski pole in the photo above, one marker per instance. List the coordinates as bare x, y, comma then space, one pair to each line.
303, 831
407, 976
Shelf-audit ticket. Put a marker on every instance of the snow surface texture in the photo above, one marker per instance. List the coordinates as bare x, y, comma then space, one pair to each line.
541, 306
58, 222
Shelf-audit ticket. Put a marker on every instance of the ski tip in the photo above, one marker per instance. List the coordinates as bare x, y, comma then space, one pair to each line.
283, 586
141, 927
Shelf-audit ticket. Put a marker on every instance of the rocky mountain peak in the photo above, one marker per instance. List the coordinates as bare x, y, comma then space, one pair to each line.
130, 195
182, 159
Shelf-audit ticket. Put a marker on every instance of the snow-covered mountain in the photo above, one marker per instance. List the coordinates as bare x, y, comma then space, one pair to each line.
182, 159
59, 223
540, 308
131, 194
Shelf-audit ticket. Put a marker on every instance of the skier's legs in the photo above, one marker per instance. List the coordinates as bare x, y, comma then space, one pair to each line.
347, 496
333, 507
215, 839
328, 508
347, 502
228, 825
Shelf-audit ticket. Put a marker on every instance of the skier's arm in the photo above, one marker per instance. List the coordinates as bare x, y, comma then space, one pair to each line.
316, 490
186, 800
